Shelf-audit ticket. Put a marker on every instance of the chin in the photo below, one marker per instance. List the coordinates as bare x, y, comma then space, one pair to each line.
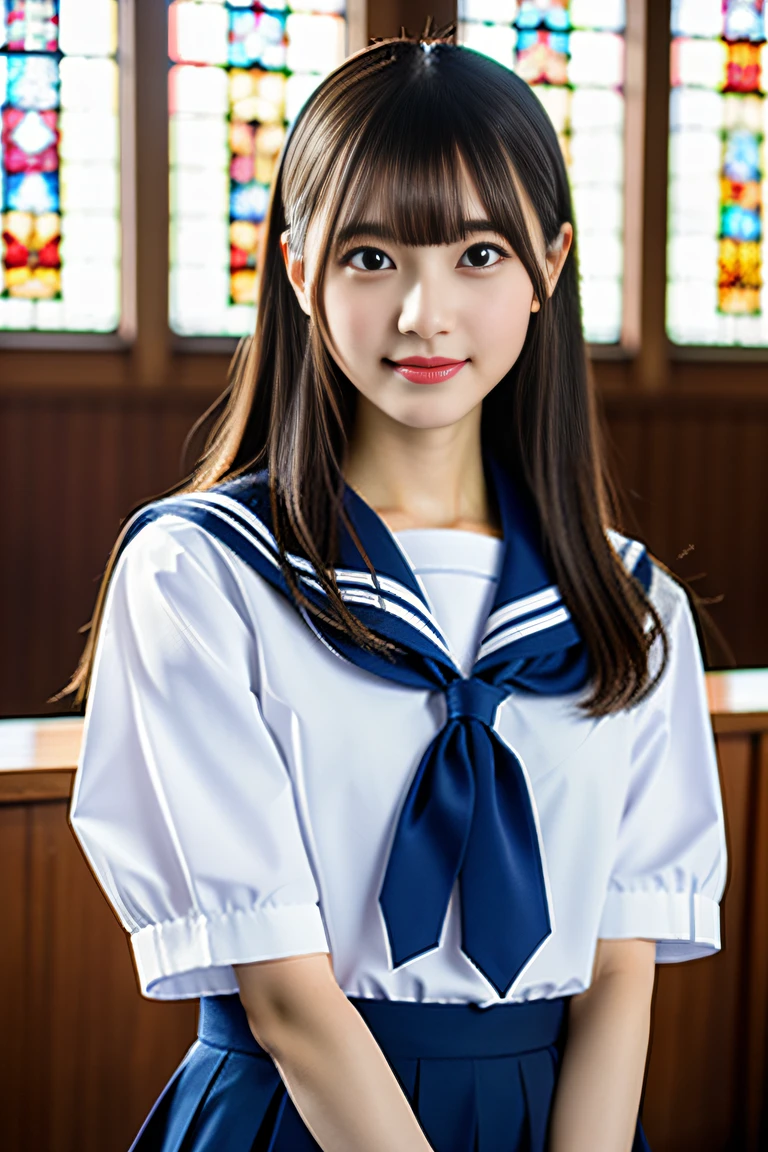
428, 414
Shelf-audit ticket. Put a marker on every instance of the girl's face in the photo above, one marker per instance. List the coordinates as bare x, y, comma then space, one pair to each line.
470, 301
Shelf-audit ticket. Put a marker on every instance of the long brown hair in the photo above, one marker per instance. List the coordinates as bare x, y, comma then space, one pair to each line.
389, 125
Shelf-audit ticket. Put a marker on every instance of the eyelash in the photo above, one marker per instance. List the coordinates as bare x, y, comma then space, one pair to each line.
370, 248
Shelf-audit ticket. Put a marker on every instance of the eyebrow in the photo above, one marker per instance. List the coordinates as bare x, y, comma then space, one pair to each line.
382, 232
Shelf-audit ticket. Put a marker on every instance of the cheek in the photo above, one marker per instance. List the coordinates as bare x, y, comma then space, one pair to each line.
506, 313
353, 318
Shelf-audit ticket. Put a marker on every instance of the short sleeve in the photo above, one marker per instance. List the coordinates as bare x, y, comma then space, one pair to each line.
669, 868
182, 802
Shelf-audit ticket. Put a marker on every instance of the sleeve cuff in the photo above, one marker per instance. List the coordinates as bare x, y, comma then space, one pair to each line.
193, 956
685, 925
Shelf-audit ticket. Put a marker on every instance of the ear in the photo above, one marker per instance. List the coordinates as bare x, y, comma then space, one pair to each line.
295, 269
557, 254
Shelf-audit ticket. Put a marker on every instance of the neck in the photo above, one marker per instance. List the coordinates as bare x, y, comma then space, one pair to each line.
420, 477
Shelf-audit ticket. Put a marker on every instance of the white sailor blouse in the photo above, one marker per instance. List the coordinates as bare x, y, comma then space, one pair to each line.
448, 825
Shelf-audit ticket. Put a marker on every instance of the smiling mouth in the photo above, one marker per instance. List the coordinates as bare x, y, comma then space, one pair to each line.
417, 374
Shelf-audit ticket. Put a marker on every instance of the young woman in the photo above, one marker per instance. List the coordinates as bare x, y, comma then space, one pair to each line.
397, 751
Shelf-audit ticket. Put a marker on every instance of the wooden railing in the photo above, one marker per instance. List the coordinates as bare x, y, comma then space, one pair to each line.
87, 1054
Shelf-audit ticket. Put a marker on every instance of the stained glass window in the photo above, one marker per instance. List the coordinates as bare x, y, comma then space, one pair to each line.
240, 72
572, 53
59, 165
716, 253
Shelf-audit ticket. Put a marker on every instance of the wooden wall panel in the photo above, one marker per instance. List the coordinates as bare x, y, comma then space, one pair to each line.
89, 1054
695, 1092
70, 470
694, 473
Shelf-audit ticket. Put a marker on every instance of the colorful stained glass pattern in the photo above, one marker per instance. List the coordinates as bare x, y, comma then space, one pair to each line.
716, 251
59, 166
572, 52
240, 72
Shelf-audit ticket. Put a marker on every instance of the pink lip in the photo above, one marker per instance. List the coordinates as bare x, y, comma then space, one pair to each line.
427, 361
433, 375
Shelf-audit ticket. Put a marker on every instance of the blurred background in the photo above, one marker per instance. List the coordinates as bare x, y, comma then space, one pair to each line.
137, 149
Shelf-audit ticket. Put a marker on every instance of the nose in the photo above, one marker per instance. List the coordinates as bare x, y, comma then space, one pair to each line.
426, 307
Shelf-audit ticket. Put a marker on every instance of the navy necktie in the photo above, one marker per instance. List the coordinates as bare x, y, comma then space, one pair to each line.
469, 814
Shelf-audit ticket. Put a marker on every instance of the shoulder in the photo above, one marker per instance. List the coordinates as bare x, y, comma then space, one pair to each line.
200, 524
665, 592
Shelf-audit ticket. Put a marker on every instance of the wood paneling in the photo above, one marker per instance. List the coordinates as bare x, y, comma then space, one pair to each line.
87, 1055
70, 471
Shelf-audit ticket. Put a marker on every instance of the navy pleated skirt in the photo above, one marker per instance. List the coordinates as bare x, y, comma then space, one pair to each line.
479, 1080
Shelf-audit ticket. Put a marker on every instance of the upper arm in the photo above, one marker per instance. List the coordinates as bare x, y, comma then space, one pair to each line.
669, 860
183, 802
635, 958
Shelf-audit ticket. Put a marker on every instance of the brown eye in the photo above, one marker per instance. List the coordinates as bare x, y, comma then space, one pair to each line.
371, 258
481, 253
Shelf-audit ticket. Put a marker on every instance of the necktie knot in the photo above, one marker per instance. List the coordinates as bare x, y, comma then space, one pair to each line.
474, 699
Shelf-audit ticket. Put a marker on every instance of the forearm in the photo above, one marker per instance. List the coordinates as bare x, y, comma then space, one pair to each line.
338, 1077
601, 1076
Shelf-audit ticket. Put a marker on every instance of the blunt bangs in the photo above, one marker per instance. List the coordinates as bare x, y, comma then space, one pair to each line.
402, 171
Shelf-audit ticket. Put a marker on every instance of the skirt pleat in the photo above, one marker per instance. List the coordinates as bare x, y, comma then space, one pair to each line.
478, 1080
445, 1103
501, 1106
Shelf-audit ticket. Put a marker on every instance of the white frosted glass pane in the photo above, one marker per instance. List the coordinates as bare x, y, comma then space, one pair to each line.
597, 59
201, 33
694, 153
695, 108
88, 85
333, 7
600, 253
596, 206
88, 27
596, 156
51, 316
557, 102
496, 41
88, 136
240, 320
744, 112
694, 206
91, 294
606, 14
200, 241
597, 108
500, 11
600, 210
199, 141
199, 192
697, 18
199, 299
701, 63
315, 43
199, 89
692, 311
16, 314
693, 258
601, 308
89, 186
298, 89
90, 236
